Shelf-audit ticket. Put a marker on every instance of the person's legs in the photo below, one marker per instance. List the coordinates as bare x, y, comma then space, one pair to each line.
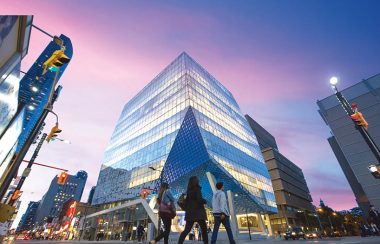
188, 226
168, 226
202, 224
216, 229
165, 234
227, 225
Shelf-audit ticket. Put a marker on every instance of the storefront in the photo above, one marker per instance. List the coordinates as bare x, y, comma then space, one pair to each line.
121, 222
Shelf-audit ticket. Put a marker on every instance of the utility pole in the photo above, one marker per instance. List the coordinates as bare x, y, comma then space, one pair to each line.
368, 139
16, 161
15, 164
29, 167
248, 225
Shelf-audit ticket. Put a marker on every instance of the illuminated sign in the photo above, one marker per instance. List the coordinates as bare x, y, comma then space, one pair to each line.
71, 211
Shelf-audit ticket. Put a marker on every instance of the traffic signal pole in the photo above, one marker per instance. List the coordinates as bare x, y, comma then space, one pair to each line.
368, 139
16, 162
28, 168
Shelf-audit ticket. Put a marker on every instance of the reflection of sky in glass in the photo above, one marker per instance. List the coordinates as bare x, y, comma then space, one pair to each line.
149, 123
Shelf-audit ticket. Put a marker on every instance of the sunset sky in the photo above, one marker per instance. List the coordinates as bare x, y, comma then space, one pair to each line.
276, 58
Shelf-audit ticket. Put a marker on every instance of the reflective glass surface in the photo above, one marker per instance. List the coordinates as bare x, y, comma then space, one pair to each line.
214, 137
35, 102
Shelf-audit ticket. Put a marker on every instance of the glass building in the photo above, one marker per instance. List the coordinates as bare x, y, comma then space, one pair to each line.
184, 123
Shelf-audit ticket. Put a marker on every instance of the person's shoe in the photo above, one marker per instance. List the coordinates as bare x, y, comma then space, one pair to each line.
152, 242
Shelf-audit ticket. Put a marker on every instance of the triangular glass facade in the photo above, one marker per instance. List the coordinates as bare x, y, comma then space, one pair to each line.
185, 123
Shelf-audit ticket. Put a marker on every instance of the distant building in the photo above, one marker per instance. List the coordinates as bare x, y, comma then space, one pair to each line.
91, 195
28, 218
72, 217
52, 202
349, 147
293, 197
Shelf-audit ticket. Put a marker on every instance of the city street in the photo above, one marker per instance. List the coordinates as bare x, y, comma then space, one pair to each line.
257, 121
346, 240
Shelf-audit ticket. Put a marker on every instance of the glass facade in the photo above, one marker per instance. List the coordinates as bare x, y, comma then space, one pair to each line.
35, 102
184, 123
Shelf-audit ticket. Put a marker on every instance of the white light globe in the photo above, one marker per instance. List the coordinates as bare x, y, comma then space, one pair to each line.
372, 168
333, 80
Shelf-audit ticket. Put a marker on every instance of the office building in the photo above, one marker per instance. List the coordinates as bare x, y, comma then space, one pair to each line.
292, 194
91, 195
28, 218
52, 202
348, 145
186, 123
14, 43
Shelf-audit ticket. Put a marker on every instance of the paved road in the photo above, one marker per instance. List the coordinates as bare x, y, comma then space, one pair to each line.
346, 240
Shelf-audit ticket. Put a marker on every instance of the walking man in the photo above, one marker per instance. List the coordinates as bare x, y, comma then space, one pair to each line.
221, 214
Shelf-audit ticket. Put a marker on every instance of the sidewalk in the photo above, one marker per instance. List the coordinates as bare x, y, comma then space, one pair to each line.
344, 240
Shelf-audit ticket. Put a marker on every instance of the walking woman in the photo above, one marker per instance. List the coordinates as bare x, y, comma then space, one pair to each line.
195, 210
166, 211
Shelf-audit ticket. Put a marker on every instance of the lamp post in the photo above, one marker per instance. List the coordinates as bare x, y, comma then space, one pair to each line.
319, 221
249, 227
332, 227
29, 167
368, 139
154, 169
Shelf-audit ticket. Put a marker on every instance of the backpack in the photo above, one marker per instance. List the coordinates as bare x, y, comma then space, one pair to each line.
182, 201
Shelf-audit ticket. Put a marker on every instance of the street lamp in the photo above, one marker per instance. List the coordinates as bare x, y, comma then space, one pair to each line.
352, 112
63, 140
375, 170
319, 221
154, 169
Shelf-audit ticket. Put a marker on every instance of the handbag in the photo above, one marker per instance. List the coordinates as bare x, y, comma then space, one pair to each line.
166, 210
182, 201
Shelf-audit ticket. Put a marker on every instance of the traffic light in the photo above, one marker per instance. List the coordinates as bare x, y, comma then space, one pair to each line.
62, 178
16, 195
53, 133
144, 193
359, 119
56, 60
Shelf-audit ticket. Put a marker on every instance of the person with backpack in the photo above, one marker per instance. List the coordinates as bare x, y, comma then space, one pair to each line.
194, 210
166, 211
221, 213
